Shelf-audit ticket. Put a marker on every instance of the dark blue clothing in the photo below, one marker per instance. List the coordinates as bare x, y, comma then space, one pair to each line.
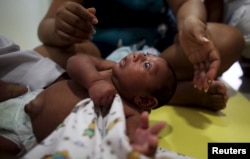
126, 22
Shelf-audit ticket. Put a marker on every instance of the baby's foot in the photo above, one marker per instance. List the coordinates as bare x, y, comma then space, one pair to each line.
10, 90
216, 98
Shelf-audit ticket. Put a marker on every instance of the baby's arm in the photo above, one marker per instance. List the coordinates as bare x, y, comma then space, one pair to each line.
84, 69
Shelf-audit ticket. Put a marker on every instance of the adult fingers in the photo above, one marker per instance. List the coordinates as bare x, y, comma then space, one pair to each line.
94, 20
214, 64
80, 11
74, 21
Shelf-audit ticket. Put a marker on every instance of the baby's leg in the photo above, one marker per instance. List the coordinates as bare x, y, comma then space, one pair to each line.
10, 90
8, 148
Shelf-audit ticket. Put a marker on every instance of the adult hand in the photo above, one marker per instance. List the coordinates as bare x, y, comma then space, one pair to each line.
74, 23
200, 49
145, 138
102, 93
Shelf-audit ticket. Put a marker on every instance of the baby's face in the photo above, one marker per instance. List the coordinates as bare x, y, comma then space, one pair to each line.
138, 73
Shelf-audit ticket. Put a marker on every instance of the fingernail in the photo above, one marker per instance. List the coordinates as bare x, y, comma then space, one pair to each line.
205, 39
210, 81
205, 90
195, 86
93, 31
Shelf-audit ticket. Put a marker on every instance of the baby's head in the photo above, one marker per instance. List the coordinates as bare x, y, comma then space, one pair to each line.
145, 80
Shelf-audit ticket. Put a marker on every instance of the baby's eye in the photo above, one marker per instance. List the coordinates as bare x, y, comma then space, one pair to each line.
147, 65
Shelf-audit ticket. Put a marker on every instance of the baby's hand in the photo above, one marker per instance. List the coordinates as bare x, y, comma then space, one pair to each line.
145, 139
102, 93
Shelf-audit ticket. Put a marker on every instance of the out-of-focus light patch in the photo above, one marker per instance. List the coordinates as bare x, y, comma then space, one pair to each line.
233, 76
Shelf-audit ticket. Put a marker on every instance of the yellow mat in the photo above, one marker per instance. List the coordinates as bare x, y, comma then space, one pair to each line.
190, 130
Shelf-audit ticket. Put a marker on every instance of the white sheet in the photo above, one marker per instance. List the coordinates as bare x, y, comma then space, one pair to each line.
85, 135
26, 67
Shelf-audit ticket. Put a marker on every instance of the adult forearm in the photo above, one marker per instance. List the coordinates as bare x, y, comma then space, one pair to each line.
184, 9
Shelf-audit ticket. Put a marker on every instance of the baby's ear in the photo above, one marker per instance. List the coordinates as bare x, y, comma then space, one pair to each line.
145, 102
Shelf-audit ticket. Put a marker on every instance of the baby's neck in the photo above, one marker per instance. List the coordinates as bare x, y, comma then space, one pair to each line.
108, 76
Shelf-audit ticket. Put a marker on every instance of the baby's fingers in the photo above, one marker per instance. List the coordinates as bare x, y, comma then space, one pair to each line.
155, 129
144, 120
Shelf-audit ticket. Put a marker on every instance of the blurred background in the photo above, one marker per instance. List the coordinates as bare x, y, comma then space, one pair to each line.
19, 21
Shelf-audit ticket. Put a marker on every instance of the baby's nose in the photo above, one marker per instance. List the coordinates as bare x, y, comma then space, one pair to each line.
138, 56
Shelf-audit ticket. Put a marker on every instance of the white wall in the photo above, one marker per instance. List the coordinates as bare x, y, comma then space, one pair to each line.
19, 20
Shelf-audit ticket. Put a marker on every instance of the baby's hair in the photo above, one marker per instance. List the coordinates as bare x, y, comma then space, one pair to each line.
165, 93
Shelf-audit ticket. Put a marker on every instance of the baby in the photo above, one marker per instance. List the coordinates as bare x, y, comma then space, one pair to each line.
143, 82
